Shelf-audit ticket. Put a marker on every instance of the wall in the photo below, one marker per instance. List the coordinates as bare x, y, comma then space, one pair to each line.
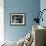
30, 7
43, 6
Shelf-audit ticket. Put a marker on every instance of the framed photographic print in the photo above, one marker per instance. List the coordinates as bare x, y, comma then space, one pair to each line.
17, 18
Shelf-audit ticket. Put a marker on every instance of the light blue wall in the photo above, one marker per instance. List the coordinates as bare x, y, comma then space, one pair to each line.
30, 7
43, 6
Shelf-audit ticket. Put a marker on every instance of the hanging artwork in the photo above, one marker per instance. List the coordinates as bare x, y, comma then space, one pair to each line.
17, 18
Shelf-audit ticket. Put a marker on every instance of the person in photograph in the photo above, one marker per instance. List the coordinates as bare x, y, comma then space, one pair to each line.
13, 19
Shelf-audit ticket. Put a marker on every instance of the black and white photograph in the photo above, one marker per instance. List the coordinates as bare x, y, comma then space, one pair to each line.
17, 18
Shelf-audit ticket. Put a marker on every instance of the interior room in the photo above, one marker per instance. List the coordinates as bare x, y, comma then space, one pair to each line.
22, 22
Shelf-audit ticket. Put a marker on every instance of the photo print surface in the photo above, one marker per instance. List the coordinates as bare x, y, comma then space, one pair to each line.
17, 19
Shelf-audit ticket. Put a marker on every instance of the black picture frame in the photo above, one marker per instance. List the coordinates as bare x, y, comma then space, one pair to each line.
17, 19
